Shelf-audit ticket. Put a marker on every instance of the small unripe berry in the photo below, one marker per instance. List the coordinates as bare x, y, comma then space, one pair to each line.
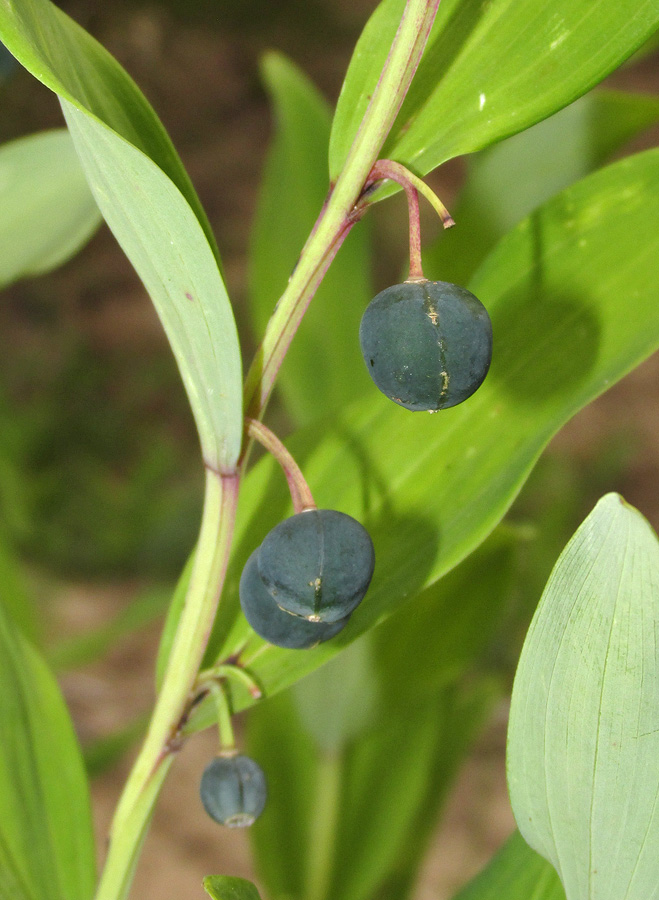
271, 622
233, 790
427, 345
317, 564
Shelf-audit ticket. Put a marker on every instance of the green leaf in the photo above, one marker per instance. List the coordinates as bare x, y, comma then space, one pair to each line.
146, 198
490, 70
508, 181
516, 873
224, 887
46, 839
583, 741
294, 187
47, 212
572, 295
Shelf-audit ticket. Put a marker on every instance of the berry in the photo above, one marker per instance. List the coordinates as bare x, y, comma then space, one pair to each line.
233, 790
427, 345
318, 564
274, 624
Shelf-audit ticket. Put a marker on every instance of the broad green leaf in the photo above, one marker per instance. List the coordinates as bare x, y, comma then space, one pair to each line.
507, 182
583, 741
47, 212
293, 190
572, 295
516, 873
347, 819
146, 198
46, 840
225, 887
489, 71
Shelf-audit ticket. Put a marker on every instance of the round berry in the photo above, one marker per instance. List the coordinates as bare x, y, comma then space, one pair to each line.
426, 344
233, 790
318, 564
274, 624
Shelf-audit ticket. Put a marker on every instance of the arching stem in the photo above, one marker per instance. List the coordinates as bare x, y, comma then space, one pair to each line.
300, 493
387, 169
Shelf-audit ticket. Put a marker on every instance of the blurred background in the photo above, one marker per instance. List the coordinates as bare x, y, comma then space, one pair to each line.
100, 477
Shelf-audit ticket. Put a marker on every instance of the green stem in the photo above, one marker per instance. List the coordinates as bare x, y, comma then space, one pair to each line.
322, 837
138, 798
338, 214
225, 727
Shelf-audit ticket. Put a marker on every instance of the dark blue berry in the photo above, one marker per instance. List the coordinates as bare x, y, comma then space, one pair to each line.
274, 624
233, 790
427, 345
318, 564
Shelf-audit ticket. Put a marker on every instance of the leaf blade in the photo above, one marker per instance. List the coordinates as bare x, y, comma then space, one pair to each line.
46, 210
45, 814
125, 149
582, 775
226, 887
492, 70
430, 495
516, 872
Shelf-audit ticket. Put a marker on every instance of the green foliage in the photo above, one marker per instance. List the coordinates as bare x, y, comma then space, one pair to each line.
516, 873
553, 288
583, 741
224, 887
46, 839
362, 752
489, 71
47, 212
508, 181
146, 198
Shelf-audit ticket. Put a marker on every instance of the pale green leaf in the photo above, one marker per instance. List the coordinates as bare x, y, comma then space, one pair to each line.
147, 199
47, 212
572, 295
583, 739
515, 873
508, 181
159, 232
69, 61
490, 70
46, 839
225, 887
294, 187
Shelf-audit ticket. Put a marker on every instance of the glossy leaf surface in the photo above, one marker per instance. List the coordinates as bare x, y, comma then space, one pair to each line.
516, 873
370, 724
45, 816
47, 212
583, 740
292, 193
430, 488
508, 181
146, 198
490, 70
